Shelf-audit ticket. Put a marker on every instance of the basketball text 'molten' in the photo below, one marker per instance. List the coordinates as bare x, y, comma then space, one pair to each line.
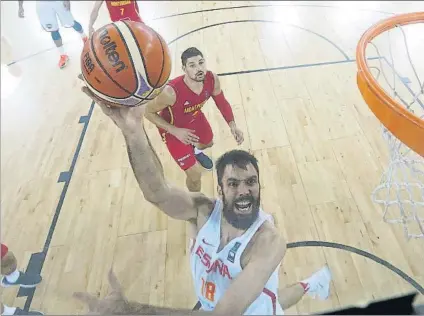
109, 48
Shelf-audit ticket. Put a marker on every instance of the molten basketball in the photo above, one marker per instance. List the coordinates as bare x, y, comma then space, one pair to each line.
126, 62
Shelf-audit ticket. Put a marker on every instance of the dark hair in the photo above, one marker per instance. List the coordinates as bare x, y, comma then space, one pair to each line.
239, 158
190, 52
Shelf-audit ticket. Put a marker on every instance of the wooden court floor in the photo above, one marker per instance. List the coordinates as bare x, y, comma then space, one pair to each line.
69, 200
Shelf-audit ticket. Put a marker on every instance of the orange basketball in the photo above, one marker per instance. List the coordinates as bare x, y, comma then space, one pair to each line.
126, 62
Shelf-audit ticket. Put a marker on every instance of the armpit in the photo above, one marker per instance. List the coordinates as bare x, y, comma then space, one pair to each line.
204, 206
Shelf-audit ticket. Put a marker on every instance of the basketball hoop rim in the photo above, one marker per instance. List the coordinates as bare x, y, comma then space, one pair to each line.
407, 127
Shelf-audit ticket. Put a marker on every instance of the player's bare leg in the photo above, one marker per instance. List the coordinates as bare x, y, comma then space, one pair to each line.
57, 39
201, 157
318, 284
194, 178
78, 27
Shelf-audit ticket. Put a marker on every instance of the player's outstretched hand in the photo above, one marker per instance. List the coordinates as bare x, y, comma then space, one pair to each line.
114, 303
238, 135
127, 119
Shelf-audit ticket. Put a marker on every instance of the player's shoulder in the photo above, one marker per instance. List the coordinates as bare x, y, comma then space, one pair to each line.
175, 87
214, 79
212, 75
268, 235
167, 96
175, 82
267, 243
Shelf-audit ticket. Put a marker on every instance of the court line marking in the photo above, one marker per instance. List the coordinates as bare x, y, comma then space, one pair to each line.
85, 120
270, 5
35, 54
36, 262
360, 252
263, 21
292, 67
219, 9
38, 259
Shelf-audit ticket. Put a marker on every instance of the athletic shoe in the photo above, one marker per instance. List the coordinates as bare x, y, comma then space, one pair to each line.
24, 280
318, 284
63, 61
204, 161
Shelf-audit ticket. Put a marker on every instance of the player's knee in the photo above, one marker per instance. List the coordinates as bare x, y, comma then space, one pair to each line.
77, 27
193, 179
193, 186
8, 263
204, 146
55, 35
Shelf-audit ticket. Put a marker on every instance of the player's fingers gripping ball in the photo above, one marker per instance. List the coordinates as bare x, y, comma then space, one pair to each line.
126, 63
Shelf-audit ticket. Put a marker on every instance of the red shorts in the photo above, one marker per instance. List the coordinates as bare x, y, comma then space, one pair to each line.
4, 250
184, 154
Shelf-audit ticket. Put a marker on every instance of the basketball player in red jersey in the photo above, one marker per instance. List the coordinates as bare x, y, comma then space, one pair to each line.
118, 11
182, 124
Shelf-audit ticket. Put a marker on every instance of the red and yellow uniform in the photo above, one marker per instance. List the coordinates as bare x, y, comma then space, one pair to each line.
123, 10
186, 112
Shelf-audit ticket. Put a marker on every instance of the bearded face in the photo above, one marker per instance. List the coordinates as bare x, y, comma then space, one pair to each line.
240, 193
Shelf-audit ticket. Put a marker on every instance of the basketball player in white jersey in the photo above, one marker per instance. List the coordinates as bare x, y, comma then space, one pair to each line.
48, 12
237, 253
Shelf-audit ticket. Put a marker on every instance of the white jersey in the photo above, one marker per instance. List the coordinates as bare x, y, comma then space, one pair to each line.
214, 271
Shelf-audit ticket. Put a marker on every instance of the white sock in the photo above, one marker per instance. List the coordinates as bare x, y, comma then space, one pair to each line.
13, 276
8, 310
197, 151
61, 50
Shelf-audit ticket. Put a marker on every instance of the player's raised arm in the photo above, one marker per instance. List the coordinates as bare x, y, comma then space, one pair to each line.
93, 16
263, 258
146, 165
225, 108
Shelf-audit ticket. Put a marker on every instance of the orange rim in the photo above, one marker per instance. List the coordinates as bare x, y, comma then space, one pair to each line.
407, 127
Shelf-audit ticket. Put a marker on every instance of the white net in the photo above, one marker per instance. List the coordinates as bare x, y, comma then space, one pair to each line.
399, 69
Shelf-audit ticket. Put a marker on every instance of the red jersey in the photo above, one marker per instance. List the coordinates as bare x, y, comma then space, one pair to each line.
123, 10
188, 105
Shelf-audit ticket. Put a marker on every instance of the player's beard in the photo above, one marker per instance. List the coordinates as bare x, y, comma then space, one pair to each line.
199, 77
241, 221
